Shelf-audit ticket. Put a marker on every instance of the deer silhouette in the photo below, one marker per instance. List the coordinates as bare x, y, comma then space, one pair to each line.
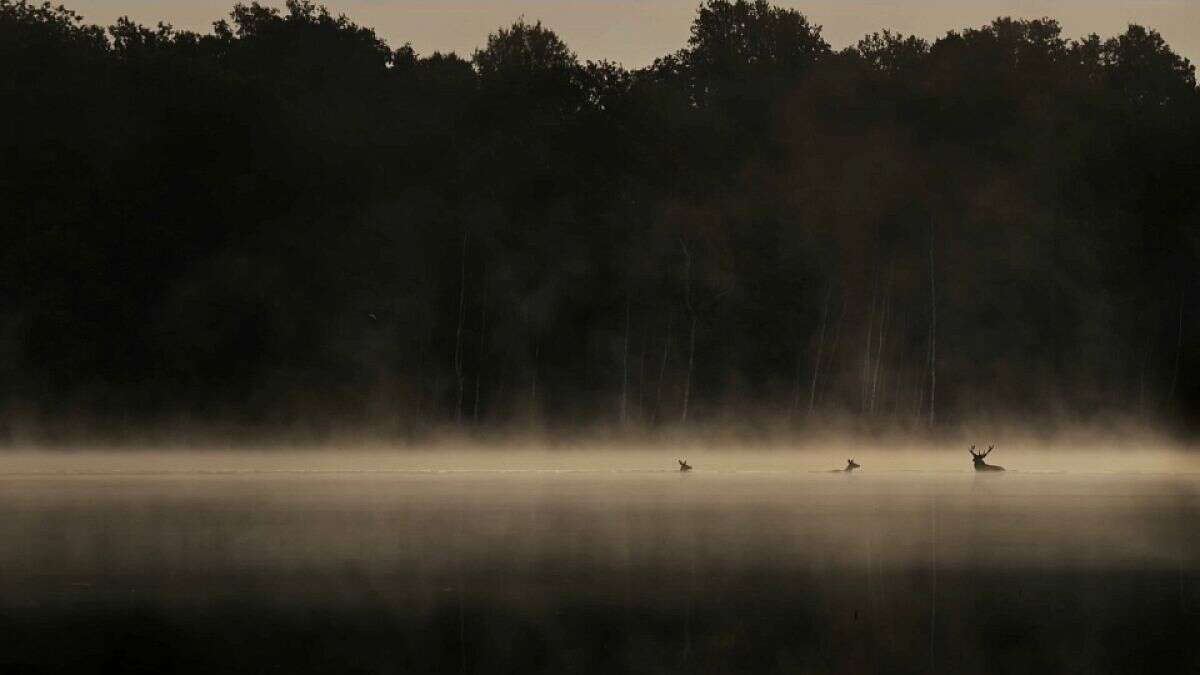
981, 465
683, 465
851, 465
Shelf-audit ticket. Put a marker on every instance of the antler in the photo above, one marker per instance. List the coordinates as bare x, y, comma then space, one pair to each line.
972, 451
989, 450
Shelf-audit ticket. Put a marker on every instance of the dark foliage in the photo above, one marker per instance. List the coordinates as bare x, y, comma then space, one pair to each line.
287, 222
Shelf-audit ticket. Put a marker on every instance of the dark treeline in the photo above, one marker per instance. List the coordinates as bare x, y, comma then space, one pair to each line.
286, 222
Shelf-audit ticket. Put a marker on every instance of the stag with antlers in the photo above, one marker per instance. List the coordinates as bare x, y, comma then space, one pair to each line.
981, 465
683, 465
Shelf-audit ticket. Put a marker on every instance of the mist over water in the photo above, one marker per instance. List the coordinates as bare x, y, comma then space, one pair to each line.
461, 559
548, 280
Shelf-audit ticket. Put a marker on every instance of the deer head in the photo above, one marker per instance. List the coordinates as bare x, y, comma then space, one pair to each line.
851, 464
977, 457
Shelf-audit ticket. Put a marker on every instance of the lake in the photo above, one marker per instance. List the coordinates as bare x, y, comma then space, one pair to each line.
581, 560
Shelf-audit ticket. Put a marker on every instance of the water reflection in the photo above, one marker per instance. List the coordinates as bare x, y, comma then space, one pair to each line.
762, 563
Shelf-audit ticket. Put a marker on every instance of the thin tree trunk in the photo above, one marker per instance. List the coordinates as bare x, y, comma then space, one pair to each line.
883, 327
837, 335
420, 376
501, 385
437, 393
922, 387
641, 402
873, 368
533, 386
482, 347
796, 379
816, 374
625, 367
662, 369
932, 334
462, 299
475, 415
691, 310
902, 356
1178, 352
876, 387
865, 380
687, 387
1142, 378
865, 386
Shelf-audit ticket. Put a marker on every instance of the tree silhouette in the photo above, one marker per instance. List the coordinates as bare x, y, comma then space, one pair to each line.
262, 227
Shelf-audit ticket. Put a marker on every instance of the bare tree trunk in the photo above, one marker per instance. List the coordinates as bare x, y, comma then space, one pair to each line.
873, 367
932, 334
1142, 378
883, 327
533, 395
475, 415
1178, 352
796, 379
687, 387
837, 334
641, 402
691, 310
902, 356
462, 299
420, 375
501, 381
917, 397
816, 373
482, 347
662, 369
877, 386
922, 380
625, 368
865, 383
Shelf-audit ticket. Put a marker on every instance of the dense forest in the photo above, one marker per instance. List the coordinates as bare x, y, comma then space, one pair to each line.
287, 223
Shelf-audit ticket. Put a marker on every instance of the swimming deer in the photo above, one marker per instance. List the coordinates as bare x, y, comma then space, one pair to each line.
980, 465
851, 465
683, 465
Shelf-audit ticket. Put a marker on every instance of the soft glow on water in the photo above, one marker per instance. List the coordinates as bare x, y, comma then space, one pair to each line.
915, 559
164, 513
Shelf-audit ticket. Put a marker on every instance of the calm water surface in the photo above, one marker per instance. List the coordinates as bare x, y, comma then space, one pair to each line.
597, 562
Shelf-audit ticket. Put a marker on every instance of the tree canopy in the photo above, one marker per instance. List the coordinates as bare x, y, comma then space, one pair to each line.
286, 223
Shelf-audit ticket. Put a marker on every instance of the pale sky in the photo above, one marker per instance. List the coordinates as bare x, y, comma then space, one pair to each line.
634, 32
